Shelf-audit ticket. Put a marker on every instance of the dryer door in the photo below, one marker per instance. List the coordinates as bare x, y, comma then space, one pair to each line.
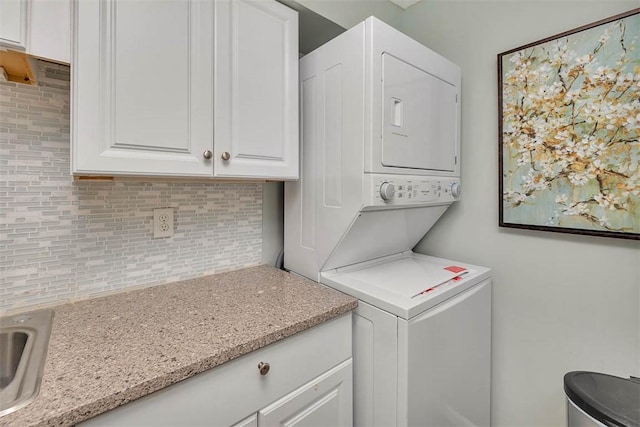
419, 118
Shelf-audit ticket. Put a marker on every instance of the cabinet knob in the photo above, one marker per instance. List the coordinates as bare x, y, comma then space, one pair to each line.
263, 367
208, 154
226, 156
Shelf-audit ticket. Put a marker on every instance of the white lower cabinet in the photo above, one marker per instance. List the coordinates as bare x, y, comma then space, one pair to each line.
325, 401
250, 421
308, 383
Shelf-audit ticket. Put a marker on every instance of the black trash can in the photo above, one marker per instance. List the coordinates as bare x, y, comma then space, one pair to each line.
595, 399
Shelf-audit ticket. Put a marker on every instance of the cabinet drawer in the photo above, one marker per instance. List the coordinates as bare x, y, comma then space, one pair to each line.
230, 392
325, 401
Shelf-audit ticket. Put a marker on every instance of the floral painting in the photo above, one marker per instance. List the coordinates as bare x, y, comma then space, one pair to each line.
570, 131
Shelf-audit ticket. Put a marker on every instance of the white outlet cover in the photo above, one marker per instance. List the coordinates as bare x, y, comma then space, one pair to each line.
162, 222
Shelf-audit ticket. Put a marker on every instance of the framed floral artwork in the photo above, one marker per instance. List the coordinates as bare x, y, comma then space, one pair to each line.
569, 130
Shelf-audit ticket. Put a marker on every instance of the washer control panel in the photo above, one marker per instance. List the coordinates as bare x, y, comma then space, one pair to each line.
402, 190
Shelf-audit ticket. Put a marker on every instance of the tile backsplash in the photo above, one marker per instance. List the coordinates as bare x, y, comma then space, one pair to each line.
62, 239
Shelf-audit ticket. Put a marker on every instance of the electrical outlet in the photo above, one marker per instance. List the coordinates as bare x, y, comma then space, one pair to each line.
162, 222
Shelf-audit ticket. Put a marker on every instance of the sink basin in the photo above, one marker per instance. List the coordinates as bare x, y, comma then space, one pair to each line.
24, 339
12, 345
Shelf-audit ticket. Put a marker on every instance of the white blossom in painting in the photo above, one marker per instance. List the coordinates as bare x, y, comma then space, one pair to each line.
571, 130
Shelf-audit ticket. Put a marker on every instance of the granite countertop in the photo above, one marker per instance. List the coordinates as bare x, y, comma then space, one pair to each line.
107, 351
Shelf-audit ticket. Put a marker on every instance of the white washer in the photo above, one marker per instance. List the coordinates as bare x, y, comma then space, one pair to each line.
380, 127
419, 359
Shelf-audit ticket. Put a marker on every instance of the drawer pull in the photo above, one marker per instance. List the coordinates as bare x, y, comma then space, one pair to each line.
263, 368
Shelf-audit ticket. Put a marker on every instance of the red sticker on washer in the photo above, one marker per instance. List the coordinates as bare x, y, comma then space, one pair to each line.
455, 269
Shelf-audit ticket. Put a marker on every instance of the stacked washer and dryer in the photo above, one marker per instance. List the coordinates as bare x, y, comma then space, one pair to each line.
380, 128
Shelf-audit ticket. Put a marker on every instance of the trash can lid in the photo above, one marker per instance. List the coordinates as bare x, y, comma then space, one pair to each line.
609, 399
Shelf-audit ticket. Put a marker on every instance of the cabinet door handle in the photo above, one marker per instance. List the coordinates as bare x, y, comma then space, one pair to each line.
208, 154
263, 367
226, 156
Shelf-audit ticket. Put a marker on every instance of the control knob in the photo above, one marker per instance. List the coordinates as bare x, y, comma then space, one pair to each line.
456, 190
387, 191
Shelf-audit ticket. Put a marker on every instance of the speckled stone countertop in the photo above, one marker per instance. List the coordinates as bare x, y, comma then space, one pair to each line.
107, 351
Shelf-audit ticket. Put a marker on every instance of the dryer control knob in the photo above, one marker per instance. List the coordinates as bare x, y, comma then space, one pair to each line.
456, 190
387, 191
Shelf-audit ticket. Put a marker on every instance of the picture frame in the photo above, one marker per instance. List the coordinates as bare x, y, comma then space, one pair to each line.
569, 131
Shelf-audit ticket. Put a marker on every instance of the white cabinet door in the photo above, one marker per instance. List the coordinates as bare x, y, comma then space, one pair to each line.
256, 93
13, 23
324, 401
142, 87
50, 30
250, 421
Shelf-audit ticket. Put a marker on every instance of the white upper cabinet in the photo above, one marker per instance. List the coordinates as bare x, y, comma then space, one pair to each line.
185, 88
142, 87
13, 24
49, 30
256, 94
41, 28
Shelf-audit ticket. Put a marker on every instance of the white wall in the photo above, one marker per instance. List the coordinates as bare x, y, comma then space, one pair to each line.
561, 302
348, 13
272, 222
